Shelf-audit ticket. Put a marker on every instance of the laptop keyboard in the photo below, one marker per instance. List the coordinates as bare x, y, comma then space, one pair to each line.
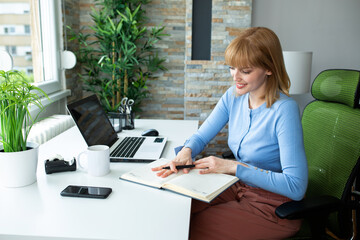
127, 147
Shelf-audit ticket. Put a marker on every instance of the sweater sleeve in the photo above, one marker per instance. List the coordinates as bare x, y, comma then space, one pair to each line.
292, 180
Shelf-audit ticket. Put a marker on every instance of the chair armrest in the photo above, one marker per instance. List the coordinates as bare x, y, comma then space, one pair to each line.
308, 207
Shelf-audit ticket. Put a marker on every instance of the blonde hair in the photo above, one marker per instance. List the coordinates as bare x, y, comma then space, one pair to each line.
260, 47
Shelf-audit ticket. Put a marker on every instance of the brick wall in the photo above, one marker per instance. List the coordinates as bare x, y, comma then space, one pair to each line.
166, 99
206, 81
189, 89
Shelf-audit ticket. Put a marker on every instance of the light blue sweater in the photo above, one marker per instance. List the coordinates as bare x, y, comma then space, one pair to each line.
268, 140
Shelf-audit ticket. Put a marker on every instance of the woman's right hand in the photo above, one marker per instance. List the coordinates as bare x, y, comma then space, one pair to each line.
182, 158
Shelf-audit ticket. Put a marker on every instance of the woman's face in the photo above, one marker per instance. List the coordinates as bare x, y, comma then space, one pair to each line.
249, 80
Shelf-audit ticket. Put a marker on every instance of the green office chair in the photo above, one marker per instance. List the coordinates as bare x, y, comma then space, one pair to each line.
331, 127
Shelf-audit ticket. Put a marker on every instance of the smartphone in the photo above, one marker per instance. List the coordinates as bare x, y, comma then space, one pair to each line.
86, 191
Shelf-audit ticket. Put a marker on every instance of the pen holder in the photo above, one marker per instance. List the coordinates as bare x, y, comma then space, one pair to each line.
128, 121
116, 120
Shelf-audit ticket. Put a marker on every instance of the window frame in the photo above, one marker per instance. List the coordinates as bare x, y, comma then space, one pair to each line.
51, 15
56, 86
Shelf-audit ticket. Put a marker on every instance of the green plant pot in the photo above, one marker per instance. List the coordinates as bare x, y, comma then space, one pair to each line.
18, 169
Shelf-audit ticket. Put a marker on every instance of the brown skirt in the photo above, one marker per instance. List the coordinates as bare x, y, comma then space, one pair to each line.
241, 212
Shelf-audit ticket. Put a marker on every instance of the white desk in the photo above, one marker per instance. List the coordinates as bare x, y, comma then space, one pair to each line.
131, 211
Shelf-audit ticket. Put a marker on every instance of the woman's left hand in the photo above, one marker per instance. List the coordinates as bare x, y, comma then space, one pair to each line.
214, 164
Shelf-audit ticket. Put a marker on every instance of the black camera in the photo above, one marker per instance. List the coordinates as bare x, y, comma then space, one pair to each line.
58, 164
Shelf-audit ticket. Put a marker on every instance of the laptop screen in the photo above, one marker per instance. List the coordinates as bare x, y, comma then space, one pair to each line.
92, 121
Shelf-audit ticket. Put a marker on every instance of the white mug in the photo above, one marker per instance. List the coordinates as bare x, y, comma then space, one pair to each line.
97, 162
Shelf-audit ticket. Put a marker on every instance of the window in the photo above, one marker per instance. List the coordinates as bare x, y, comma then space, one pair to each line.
27, 29
9, 30
13, 50
30, 33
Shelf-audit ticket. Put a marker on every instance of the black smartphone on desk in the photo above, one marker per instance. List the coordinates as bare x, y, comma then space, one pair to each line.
86, 191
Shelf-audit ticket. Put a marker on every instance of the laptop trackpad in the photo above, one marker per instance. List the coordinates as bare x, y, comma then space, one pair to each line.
151, 148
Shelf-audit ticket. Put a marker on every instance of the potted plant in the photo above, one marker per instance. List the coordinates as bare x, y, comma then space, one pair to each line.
18, 158
119, 55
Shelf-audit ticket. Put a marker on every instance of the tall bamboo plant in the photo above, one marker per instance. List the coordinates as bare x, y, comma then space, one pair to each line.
120, 55
16, 96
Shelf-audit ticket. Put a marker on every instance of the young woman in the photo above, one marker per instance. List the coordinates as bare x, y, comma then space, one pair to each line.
265, 135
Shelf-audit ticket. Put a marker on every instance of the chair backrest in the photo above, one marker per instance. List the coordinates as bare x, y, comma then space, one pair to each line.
331, 126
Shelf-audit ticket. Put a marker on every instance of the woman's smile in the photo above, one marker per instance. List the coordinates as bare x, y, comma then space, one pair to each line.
240, 85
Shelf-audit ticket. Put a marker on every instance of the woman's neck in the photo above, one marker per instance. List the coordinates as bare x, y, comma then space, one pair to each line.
255, 101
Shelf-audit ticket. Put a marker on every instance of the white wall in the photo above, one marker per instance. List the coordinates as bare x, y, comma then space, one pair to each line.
328, 28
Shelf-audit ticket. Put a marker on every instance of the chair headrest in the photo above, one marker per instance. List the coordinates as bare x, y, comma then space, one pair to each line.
338, 85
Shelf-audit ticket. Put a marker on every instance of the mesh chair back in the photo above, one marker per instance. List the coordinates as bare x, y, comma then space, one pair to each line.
332, 145
331, 126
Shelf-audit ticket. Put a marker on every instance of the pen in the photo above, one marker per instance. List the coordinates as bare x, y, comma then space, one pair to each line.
180, 166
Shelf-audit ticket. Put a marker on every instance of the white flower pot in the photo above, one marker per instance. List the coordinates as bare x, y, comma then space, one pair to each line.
18, 169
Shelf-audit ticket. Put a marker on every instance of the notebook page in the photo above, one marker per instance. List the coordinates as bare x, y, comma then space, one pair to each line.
146, 176
201, 186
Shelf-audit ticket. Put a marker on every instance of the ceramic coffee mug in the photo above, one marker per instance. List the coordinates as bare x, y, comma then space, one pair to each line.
97, 161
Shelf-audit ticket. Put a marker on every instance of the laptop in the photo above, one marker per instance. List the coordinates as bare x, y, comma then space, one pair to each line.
97, 129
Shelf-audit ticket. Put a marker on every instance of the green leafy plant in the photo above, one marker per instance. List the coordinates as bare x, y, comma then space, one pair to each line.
16, 96
119, 56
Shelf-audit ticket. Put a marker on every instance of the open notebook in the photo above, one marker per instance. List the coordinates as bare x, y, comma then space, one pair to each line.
204, 187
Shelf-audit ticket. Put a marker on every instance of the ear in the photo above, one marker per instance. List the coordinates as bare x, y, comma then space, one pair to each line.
268, 73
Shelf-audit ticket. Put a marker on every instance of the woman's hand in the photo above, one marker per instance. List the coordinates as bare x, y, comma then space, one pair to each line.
183, 158
217, 165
